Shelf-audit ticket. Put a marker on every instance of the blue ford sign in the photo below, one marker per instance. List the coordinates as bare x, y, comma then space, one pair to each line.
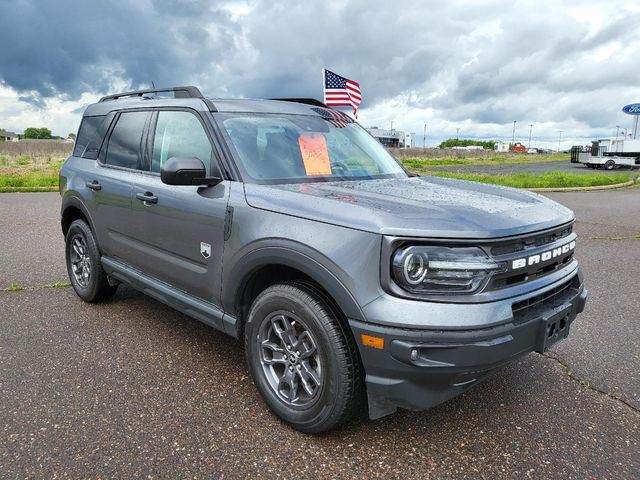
632, 109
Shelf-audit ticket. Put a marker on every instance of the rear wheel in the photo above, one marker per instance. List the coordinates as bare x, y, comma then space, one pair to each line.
302, 359
83, 264
609, 165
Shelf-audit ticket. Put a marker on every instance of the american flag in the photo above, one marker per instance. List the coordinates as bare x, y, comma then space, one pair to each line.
341, 92
336, 118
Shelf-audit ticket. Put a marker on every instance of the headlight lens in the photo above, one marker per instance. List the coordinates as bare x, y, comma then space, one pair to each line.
442, 270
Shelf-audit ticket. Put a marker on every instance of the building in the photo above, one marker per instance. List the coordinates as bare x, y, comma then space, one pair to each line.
469, 147
8, 136
393, 138
502, 147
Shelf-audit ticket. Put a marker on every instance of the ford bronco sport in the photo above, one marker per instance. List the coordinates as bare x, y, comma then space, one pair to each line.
354, 285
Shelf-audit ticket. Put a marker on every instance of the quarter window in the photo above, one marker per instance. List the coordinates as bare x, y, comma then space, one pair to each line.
179, 134
90, 136
125, 144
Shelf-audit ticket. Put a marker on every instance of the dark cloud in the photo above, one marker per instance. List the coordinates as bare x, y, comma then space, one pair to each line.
465, 61
64, 48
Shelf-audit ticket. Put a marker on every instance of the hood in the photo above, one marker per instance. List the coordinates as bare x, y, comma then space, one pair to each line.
416, 206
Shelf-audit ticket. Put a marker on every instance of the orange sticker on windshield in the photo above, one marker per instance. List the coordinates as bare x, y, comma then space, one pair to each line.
313, 147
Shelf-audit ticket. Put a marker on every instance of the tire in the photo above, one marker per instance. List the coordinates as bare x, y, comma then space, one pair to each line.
318, 383
609, 165
85, 271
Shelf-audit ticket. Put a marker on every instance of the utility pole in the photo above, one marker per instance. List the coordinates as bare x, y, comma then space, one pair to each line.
391, 125
617, 131
530, 130
513, 135
559, 140
457, 133
424, 138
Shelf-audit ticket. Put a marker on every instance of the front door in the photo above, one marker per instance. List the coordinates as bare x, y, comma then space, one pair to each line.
179, 230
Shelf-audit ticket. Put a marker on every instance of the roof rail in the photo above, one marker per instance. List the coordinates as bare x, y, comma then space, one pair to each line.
307, 101
178, 92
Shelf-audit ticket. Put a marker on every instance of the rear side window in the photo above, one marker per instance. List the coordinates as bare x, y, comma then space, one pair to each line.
179, 134
90, 136
125, 143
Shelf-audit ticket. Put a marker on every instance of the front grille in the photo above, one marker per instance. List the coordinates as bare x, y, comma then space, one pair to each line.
511, 279
521, 245
534, 307
510, 250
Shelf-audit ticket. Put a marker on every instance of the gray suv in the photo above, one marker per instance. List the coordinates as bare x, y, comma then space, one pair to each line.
355, 286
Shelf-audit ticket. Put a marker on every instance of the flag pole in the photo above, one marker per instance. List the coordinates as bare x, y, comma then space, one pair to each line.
324, 96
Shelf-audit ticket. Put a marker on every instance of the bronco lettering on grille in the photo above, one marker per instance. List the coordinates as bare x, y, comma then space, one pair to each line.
544, 256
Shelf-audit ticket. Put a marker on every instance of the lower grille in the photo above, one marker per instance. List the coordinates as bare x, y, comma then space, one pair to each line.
534, 307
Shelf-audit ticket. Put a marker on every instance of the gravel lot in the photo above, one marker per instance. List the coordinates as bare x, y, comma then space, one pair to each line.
131, 388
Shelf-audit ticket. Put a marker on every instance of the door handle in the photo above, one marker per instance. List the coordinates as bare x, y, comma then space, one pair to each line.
147, 197
94, 185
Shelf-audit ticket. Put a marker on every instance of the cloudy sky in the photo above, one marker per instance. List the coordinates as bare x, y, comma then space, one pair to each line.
567, 66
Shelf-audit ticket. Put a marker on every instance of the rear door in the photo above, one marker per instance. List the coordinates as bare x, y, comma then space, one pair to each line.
179, 230
121, 156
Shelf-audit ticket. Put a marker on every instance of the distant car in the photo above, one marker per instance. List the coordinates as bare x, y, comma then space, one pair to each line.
532, 150
354, 285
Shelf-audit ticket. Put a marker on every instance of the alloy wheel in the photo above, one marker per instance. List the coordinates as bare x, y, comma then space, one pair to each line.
290, 359
80, 261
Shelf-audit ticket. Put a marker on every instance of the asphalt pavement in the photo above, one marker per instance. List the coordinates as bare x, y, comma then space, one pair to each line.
131, 388
530, 167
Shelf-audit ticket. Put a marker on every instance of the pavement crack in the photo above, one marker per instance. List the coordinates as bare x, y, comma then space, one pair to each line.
585, 384
17, 287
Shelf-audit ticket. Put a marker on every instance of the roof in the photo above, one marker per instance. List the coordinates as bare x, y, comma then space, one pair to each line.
4, 133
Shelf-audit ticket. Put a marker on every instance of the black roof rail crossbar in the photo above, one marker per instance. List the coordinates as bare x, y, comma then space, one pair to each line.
307, 101
178, 92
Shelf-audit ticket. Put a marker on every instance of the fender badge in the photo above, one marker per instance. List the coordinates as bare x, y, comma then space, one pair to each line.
205, 250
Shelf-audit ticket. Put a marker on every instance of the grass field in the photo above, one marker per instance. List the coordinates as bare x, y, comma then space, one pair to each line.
33, 165
543, 180
423, 163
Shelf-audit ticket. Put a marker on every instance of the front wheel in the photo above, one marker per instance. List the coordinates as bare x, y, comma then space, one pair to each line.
302, 359
609, 165
83, 264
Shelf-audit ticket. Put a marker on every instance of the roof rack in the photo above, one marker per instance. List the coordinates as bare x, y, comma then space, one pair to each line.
307, 101
178, 92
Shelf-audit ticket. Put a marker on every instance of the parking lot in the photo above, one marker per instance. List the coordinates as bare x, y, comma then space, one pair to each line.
131, 388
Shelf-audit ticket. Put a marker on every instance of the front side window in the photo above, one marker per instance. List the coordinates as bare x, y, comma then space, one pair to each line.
125, 143
273, 148
179, 134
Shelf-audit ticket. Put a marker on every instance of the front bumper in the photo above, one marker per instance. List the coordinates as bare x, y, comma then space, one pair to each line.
420, 368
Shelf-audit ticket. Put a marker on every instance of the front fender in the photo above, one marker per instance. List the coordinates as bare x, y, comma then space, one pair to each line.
294, 255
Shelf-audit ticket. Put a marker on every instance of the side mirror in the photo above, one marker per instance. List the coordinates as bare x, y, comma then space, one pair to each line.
186, 171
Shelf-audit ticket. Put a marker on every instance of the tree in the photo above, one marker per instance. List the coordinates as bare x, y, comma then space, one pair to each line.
453, 142
72, 136
37, 133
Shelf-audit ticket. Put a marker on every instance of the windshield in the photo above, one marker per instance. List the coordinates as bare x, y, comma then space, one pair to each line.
281, 148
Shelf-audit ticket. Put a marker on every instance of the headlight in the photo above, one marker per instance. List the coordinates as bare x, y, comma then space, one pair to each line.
442, 270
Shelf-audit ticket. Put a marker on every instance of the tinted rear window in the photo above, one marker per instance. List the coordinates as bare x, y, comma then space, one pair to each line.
125, 142
90, 136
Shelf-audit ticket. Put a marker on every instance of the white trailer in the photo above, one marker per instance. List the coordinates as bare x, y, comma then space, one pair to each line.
610, 153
